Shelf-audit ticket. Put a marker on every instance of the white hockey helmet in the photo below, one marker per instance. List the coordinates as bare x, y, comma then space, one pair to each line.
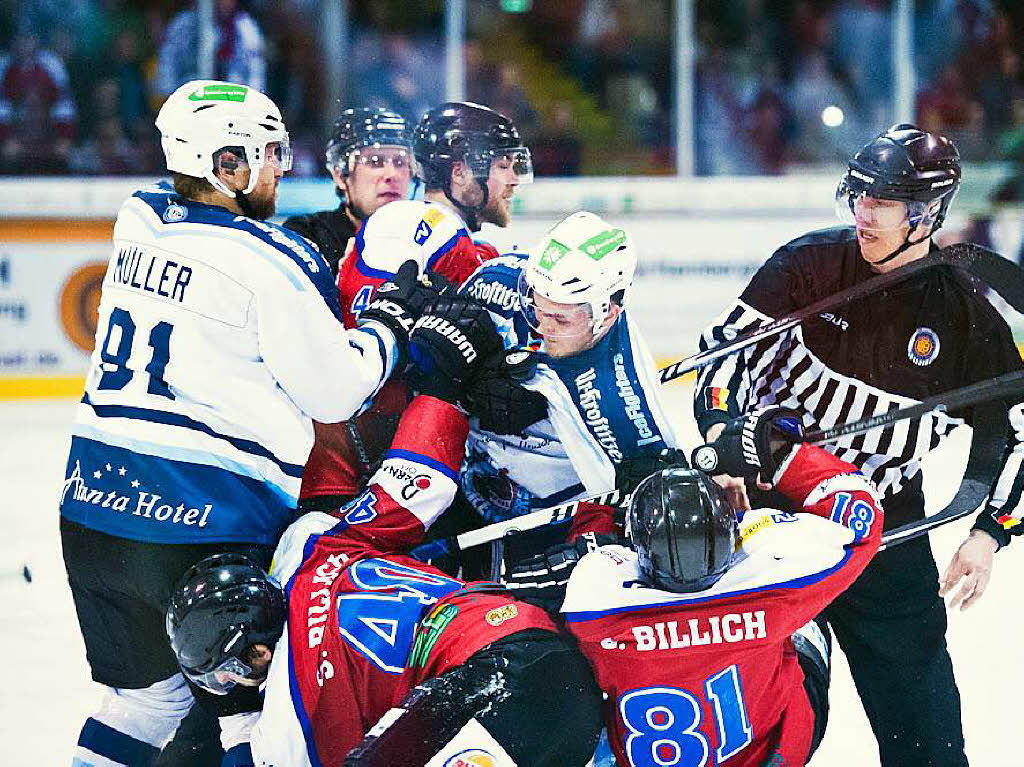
582, 260
204, 116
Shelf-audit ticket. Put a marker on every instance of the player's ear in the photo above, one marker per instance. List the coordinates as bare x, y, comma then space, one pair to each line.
228, 166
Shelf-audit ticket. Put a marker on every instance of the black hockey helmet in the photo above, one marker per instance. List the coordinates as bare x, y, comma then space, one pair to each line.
907, 164
472, 133
683, 529
222, 605
362, 127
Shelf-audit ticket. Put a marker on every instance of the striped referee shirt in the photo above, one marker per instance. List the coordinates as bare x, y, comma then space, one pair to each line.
929, 334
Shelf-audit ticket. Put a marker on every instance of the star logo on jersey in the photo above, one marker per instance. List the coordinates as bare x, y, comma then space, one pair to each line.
923, 347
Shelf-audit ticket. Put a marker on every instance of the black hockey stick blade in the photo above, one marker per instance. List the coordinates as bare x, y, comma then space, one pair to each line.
498, 530
1007, 386
1003, 276
990, 424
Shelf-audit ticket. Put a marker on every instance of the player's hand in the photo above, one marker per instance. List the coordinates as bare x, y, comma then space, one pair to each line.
752, 445
498, 398
735, 488
398, 302
971, 567
541, 579
449, 344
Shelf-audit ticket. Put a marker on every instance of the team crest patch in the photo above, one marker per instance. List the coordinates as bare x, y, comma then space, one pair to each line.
923, 347
174, 212
474, 757
500, 615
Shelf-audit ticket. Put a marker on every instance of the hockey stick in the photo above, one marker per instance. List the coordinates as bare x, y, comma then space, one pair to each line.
494, 532
1003, 276
989, 432
990, 423
1006, 385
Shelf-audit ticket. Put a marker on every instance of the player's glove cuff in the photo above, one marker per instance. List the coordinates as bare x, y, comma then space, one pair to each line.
755, 443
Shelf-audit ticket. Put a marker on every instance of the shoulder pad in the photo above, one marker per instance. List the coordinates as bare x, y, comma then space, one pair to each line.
403, 230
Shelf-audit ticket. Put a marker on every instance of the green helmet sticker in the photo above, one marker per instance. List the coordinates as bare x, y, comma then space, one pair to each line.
219, 92
553, 253
600, 245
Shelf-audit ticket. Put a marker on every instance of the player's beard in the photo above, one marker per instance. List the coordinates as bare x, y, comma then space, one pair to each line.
259, 204
496, 212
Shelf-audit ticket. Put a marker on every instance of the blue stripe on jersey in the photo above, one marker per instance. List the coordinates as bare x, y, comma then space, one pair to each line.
446, 247
300, 712
185, 422
184, 455
364, 268
284, 241
430, 463
558, 498
605, 388
796, 583
160, 500
117, 746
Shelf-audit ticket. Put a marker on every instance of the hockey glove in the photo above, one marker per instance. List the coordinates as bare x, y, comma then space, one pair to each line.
632, 471
541, 579
498, 398
755, 443
397, 303
448, 345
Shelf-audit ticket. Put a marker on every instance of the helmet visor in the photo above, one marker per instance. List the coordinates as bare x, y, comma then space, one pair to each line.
859, 209
223, 678
516, 159
280, 152
552, 319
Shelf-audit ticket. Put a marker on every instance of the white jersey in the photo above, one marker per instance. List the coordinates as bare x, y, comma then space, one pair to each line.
219, 339
604, 406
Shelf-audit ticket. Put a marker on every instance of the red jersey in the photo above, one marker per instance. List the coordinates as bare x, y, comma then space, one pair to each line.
437, 239
711, 677
367, 623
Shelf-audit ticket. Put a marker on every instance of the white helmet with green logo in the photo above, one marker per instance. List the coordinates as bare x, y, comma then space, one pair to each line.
582, 260
204, 116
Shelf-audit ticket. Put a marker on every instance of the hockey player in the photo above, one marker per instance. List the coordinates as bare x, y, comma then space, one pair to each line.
700, 631
460, 148
931, 333
369, 156
368, 649
219, 339
599, 390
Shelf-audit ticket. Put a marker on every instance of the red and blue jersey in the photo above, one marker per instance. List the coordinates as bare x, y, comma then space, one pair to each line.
711, 677
366, 622
434, 237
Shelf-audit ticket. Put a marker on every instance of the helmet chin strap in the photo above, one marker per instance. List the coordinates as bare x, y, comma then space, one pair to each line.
907, 244
469, 212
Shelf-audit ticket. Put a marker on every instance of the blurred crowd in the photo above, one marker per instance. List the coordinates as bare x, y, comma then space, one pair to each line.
779, 84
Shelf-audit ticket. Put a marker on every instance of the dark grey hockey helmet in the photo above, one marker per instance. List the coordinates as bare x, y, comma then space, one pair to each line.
473, 133
907, 164
683, 530
222, 605
363, 127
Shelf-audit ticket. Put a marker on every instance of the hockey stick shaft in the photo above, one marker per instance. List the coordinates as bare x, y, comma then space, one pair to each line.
1003, 276
1007, 385
549, 516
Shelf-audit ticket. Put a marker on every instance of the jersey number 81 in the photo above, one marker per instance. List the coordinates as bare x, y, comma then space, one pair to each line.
664, 722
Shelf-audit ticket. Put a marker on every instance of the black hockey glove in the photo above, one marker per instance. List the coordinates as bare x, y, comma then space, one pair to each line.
448, 345
632, 471
755, 443
397, 303
541, 579
498, 398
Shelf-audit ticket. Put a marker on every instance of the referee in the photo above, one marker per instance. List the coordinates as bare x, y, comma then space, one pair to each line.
926, 335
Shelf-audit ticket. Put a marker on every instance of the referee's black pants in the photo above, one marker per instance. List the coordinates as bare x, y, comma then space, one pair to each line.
891, 624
